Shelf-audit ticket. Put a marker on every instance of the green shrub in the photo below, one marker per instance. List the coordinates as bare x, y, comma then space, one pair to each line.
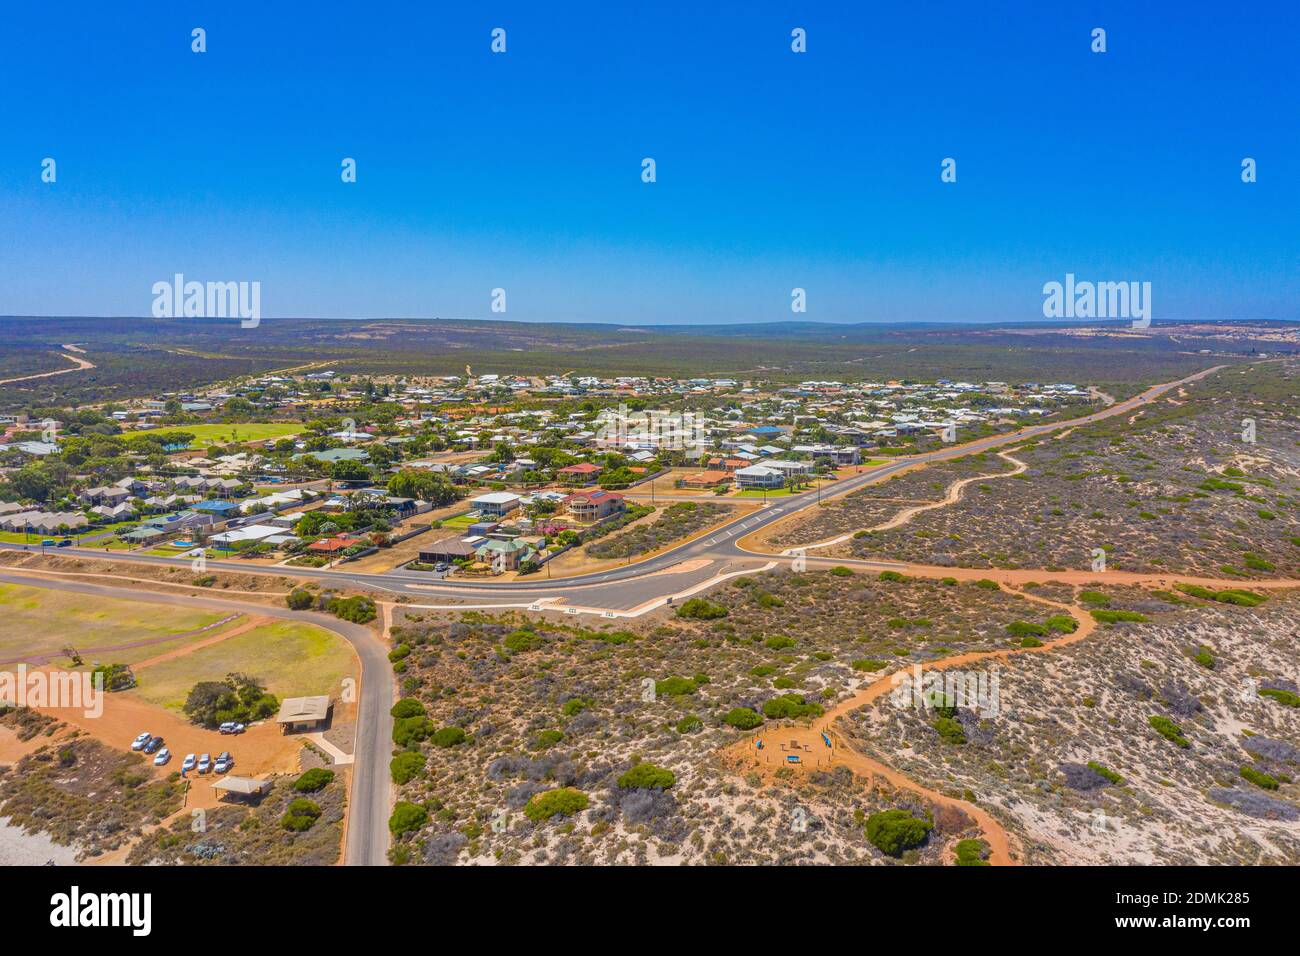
449, 737
1062, 623
840, 571
312, 780
1204, 658
1030, 641
895, 831
406, 817
647, 776
1025, 629
575, 705
407, 707
778, 642
1095, 598
1290, 698
1256, 563
742, 718
1109, 774
1103, 616
299, 599
1259, 779
675, 687
987, 584
891, 576
564, 801
1168, 729
406, 766
949, 730
869, 664
971, 853
768, 600
300, 815
517, 642
358, 609
547, 739
409, 730
689, 724
791, 706
701, 610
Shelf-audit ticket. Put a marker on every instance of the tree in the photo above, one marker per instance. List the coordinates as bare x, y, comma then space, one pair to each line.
563, 802
406, 766
347, 470
237, 698
406, 817
317, 778
895, 831
647, 776
424, 485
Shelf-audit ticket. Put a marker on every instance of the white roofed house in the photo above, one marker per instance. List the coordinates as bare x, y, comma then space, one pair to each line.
497, 503
759, 476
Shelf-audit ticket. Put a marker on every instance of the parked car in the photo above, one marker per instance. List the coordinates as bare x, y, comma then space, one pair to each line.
188, 763
442, 566
231, 727
65, 543
153, 745
47, 543
205, 763
141, 740
224, 762
161, 757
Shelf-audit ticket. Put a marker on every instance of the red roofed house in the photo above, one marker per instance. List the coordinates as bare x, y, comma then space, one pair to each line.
332, 545
594, 505
583, 473
706, 479
728, 464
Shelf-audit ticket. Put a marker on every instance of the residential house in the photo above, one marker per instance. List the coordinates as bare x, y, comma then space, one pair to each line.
583, 473
495, 504
594, 505
760, 476
504, 555
706, 479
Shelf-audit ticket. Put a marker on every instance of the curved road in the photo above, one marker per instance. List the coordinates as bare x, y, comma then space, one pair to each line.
671, 573
367, 836
689, 566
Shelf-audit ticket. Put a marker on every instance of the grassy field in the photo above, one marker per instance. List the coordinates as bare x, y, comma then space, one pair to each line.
84, 621
461, 521
770, 493
291, 659
205, 435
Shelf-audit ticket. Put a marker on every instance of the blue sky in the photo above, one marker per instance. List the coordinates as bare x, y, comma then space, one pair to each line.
775, 169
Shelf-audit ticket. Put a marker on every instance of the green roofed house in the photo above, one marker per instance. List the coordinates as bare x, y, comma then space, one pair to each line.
144, 534
504, 555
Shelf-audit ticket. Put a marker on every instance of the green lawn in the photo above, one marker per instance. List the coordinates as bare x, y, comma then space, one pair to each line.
770, 493
84, 621
460, 521
291, 659
205, 435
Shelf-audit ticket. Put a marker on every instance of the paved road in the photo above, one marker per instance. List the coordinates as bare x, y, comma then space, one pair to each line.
367, 840
670, 573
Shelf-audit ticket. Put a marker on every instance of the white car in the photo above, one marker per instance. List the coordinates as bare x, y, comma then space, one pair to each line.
188, 763
139, 742
205, 763
161, 757
223, 764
